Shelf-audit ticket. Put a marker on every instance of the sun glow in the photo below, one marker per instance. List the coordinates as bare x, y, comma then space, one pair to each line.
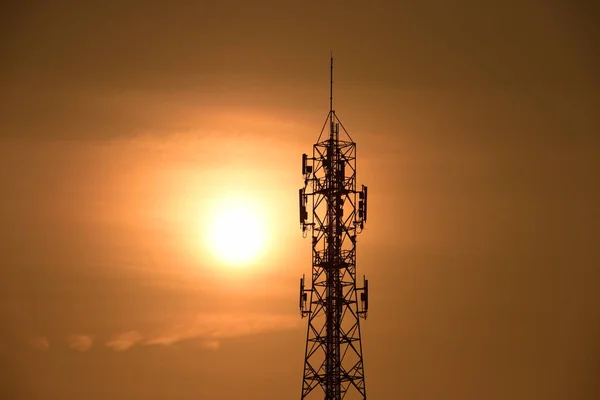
237, 232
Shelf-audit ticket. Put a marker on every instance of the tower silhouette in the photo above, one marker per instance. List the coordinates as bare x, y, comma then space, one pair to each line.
333, 360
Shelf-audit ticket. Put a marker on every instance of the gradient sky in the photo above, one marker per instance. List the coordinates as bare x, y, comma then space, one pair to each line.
478, 136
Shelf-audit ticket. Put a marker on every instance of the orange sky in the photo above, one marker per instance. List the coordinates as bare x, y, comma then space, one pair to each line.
477, 136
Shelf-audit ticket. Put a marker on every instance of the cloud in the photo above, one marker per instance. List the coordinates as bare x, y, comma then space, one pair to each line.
207, 330
212, 328
124, 341
211, 344
80, 342
40, 343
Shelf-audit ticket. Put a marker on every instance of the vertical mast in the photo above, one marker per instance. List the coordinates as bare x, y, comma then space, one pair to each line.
331, 89
332, 267
333, 363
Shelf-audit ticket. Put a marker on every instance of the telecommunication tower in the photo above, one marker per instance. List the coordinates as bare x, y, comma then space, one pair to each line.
333, 359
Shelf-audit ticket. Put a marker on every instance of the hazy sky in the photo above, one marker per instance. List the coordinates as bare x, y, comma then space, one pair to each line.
478, 136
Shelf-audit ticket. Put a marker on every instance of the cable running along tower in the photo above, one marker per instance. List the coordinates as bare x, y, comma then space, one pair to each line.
333, 360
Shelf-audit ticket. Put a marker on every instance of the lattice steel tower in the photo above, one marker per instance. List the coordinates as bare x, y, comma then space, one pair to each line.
333, 361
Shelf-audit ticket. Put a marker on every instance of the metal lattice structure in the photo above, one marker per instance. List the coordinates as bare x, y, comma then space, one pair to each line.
333, 362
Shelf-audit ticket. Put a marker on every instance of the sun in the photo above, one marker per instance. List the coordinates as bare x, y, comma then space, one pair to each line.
237, 234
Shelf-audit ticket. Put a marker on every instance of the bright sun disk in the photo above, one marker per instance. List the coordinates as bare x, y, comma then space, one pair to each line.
236, 233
